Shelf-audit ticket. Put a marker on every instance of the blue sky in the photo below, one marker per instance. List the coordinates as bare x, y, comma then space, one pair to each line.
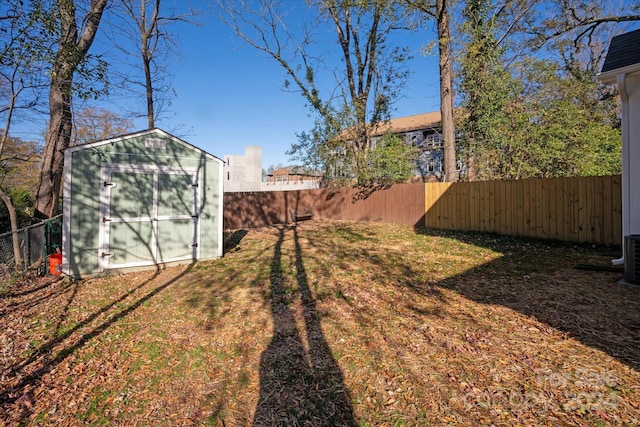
229, 95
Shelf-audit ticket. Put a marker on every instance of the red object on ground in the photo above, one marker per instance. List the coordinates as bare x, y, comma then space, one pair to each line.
55, 264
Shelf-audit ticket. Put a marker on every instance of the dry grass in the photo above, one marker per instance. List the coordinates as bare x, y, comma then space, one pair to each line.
332, 323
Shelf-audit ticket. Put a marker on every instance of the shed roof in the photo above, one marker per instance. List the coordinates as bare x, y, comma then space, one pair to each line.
142, 133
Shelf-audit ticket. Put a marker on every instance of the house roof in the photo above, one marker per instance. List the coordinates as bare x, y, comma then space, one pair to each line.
296, 170
624, 50
409, 123
156, 131
623, 56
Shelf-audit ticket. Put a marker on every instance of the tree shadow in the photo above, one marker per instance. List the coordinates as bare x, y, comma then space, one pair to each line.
32, 296
300, 381
549, 283
232, 240
363, 192
23, 376
32, 286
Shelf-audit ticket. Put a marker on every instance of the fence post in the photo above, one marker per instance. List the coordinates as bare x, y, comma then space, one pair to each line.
27, 256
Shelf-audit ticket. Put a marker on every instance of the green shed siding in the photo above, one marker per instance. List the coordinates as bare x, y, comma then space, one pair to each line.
84, 213
137, 164
210, 223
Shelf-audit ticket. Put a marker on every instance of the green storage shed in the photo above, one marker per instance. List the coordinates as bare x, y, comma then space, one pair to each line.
139, 201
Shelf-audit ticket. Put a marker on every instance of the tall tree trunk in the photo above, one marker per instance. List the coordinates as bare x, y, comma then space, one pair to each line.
446, 91
71, 52
13, 219
149, 40
151, 120
58, 138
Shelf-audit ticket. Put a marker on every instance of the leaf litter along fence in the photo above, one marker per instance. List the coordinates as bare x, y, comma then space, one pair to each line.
36, 243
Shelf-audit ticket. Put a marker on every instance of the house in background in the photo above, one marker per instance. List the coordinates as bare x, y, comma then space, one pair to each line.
140, 201
294, 175
422, 131
622, 68
243, 173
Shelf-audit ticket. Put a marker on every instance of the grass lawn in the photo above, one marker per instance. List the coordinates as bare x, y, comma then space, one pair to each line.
331, 323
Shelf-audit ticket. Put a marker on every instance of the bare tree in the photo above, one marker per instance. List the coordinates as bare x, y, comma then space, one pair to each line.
367, 81
22, 56
145, 25
95, 124
581, 19
149, 37
73, 47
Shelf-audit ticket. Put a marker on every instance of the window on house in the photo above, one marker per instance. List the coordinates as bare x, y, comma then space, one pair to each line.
434, 164
433, 141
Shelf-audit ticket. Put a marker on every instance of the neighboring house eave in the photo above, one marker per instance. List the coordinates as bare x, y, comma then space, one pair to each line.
611, 77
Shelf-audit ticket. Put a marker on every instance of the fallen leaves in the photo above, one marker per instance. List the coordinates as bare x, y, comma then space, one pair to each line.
336, 323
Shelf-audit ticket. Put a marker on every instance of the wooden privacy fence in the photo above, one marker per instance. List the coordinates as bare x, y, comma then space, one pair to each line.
586, 209
398, 204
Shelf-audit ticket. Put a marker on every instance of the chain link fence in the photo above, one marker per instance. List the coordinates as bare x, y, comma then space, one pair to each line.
36, 242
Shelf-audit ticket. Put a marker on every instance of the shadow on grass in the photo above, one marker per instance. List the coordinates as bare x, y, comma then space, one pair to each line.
538, 279
232, 240
48, 282
299, 385
23, 376
33, 296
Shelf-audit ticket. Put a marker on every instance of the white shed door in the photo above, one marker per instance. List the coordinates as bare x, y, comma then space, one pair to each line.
149, 216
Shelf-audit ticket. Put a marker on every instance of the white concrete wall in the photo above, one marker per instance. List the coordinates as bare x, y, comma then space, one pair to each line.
243, 172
